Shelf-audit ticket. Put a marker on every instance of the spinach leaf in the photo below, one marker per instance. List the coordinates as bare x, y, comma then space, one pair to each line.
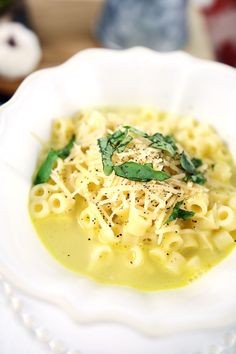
65, 152
124, 143
162, 142
186, 163
116, 138
106, 150
197, 162
45, 169
196, 177
136, 131
178, 213
140, 173
190, 166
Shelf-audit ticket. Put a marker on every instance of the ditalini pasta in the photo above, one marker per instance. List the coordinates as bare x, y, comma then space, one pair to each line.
135, 197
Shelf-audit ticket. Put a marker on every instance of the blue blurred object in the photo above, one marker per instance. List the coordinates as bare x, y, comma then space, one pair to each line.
157, 24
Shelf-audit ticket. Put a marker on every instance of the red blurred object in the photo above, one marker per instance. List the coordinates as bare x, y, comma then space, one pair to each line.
221, 22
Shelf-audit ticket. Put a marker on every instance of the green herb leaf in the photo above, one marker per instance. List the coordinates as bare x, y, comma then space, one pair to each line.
65, 152
190, 166
197, 162
162, 142
107, 151
107, 145
136, 131
196, 177
140, 173
178, 213
45, 169
186, 163
116, 138
124, 143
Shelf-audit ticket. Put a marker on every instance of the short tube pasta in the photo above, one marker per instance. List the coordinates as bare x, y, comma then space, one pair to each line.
87, 219
222, 240
137, 225
172, 241
39, 209
40, 192
158, 254
58, 165
175, 262
208, 221
102, 255
232, 202
205, 240
217, 171
226, 217
198, 204
59, 203
136, 257
194, 262
62, 130
190, 244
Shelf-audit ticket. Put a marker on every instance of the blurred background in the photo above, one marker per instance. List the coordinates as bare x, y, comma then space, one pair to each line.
42, 33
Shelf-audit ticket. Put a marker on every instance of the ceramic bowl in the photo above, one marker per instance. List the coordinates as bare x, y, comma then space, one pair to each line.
175, 82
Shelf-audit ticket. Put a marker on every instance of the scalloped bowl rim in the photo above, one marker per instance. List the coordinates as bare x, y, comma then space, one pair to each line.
110, 315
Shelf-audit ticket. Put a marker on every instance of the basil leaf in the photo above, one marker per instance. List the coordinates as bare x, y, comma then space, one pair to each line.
106, 150
197, 162
197, 177
124, 143
178, 213
45, 169
162, 142
190, 166
136, 131
140, 173
186, 163
108, 145
65, 152
116, 138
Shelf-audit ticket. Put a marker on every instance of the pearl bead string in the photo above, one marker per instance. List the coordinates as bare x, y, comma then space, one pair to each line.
56, 346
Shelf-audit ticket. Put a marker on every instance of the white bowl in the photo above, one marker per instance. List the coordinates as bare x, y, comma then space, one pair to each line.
175, 82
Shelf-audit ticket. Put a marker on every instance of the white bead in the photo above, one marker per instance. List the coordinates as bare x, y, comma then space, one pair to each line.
57, 346
28, 320
16, 304
229, 339
42, 334
7, 288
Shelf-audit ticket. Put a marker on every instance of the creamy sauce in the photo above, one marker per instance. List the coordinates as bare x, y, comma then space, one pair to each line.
72, 247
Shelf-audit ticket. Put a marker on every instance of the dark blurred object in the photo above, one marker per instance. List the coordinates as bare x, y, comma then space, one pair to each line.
5, 5
221, 22
15, 10
158, 24
4, 99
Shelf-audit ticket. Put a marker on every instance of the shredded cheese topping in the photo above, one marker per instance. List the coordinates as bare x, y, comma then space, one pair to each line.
125, 212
